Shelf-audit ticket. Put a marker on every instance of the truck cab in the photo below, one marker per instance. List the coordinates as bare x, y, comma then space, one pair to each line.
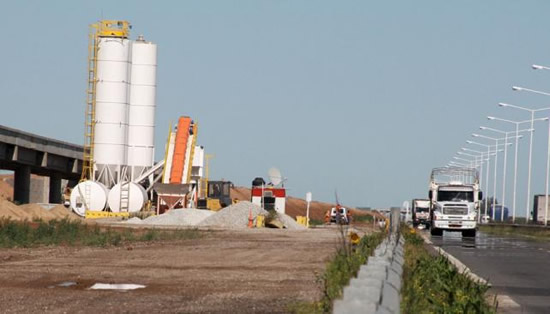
421, 212
454, 204
339, 215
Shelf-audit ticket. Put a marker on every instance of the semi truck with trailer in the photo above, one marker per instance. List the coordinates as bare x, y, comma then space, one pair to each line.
421, 212
455, 196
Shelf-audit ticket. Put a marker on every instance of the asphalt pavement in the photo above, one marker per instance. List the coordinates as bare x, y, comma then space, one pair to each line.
517, 268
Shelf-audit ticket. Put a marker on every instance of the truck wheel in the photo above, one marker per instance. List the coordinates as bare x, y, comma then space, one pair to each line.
469, 233
436, 232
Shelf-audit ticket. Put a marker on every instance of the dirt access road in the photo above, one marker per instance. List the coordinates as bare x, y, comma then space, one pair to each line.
247, 271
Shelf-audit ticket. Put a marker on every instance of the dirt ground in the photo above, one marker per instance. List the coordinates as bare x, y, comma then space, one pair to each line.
249, 271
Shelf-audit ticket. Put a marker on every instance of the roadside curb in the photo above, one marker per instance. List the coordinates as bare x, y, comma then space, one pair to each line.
455, 261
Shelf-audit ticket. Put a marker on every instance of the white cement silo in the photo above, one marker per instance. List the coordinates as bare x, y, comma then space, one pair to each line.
142, 103
137, 197
88, 194
111, 108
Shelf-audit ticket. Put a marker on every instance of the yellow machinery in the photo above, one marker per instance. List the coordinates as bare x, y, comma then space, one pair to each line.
218, 196
214, 195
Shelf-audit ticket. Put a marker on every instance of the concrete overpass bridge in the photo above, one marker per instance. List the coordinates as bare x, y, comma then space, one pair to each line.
26, 153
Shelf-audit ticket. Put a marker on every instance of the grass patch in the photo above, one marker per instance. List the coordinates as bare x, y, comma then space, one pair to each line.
316, 222
433, 285
533, 232
339, 270
363, 218
66, 232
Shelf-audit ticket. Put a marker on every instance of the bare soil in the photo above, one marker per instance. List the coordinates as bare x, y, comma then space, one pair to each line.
249, 271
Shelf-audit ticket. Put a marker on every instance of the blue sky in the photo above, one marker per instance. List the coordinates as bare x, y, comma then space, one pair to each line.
360, 96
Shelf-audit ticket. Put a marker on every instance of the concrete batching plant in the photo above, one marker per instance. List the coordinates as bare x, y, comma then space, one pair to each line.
120, 113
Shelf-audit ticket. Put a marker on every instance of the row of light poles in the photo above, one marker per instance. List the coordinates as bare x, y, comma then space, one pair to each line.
485, 156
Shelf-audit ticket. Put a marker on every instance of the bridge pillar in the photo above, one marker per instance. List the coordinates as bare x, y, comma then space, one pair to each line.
72, 183
55, 189
22, 185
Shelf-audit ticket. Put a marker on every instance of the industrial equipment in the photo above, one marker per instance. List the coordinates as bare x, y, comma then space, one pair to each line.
270, 196
119, 124
218, 196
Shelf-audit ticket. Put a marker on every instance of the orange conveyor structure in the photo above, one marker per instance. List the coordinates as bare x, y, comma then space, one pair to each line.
180, 147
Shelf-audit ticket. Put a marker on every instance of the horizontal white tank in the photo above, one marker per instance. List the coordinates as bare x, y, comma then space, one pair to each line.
90, 193
138, 197
142, 103
111, 109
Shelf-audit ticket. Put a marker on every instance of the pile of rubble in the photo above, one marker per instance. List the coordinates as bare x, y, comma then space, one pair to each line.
235, 216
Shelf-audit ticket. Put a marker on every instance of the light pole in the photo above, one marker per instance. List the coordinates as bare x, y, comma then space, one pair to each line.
496, 169
470, 165
488, 166
532, 111
516, 123
482, 160
541, 67
495, 172
505, 163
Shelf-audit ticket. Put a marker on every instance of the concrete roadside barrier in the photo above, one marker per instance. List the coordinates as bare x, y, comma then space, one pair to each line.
377, 286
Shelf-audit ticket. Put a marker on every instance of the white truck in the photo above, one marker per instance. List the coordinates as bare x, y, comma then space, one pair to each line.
421, 212
454, 200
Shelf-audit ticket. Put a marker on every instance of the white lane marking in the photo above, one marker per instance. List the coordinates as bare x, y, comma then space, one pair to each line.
505, 302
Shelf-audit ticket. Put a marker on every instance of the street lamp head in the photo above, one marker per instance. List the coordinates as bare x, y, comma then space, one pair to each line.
502, 105
517, 88
537, 67
491, 118
469, 142
475, 135
483, 128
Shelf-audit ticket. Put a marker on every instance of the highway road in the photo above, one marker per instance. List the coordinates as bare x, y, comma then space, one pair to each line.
517, 268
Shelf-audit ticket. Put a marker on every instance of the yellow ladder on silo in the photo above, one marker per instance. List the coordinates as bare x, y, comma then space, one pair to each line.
89, 126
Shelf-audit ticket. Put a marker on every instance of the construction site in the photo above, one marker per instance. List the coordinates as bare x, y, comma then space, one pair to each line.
248, 248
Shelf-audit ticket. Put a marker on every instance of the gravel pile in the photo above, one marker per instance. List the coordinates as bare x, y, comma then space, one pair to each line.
234, 216
134, 220
289, 222
180, 217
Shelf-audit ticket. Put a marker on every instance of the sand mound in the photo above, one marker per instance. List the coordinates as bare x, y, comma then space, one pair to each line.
12, 211
34, 211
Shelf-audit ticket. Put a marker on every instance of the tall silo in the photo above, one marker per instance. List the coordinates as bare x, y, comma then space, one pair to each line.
142, 103
111, 103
